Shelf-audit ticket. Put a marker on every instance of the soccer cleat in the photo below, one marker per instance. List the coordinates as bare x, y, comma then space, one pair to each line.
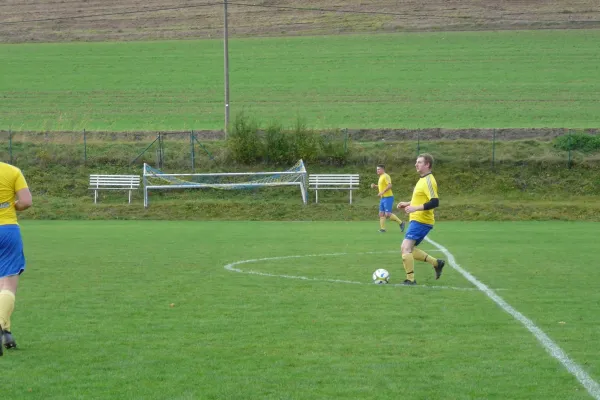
438, 269
8, 340
2, 331
402, 226
381, 231
409, 283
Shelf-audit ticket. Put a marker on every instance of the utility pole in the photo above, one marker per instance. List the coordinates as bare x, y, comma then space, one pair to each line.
226, 64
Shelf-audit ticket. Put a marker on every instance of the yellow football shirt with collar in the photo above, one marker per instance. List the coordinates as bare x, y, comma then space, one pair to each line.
11, 181
425, 190
384, 180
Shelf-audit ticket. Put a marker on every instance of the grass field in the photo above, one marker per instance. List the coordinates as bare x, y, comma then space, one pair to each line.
519, 79
147, 310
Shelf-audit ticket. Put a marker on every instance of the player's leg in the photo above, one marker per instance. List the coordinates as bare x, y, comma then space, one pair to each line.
438, 264
385, 206
407, 259
382, 216
416, 232
12, 264
382, 219
395, 218
389, 205
8, 289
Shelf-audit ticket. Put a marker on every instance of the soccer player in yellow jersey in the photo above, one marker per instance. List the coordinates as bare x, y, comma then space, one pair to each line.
386, 204
14, 196
420, 208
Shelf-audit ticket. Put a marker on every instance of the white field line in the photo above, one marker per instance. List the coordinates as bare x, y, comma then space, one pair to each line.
552, 348
232, 267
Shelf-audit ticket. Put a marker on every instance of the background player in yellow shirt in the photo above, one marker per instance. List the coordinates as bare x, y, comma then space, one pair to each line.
420, 208
14, 196
386, 204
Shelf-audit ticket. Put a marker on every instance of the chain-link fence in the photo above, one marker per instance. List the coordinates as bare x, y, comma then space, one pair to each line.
202, 150
183, 150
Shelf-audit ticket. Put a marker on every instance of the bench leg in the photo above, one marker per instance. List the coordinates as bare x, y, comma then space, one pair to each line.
316, 196
130, 197
350, 196
95, 196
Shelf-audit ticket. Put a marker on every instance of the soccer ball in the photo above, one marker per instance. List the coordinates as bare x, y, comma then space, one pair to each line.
381, 276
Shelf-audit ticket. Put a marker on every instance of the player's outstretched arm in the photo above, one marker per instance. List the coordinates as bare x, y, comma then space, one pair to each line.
24, 200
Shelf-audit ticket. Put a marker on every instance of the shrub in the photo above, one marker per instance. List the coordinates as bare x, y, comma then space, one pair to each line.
277, 145
578, 141
243, 141
304, 142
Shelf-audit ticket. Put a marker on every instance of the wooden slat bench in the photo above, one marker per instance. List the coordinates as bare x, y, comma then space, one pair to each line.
318, 182
114, 182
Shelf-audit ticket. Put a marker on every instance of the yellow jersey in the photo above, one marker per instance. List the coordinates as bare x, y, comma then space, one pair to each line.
425, 190
384, 180
11, 181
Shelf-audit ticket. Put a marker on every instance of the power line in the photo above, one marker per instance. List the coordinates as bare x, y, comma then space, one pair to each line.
44, 3
333, 10
111, 14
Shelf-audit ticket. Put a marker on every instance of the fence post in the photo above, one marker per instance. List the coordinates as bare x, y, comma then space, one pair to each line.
494, 150
345, 140
84, 148
192, 150
160, 151
10, 145
570, 145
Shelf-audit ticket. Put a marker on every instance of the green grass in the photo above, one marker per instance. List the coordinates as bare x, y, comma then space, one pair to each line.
94, 320
418, 80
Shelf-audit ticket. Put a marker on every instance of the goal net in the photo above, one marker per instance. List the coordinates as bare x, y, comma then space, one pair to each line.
155, 179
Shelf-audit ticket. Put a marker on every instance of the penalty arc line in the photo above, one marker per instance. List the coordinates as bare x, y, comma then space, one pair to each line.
232, 267
552, 348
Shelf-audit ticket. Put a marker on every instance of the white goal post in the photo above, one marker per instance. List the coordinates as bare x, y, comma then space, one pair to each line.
154, 179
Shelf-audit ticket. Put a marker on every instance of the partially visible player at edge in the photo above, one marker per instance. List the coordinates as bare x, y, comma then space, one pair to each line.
420, 208
14, 196
384, 191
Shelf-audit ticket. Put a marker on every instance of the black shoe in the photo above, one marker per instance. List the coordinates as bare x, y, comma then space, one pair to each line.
402, 226
1, 331
409, 283
381, 231
8, 340
438, 269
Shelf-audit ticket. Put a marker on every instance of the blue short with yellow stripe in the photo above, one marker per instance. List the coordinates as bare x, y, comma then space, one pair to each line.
386, 204
417, 231
12, 259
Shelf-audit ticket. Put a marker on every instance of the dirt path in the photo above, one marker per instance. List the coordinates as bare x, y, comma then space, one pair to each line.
361, 135
106, 20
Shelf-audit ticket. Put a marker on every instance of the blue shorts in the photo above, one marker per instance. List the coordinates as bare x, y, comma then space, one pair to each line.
386, 204
417, 231
12, 259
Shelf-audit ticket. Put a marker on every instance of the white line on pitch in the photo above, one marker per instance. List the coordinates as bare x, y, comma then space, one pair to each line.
231, 267
552, 348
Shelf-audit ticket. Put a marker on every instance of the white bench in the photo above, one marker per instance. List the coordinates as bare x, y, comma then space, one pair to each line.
333, 182
114, 182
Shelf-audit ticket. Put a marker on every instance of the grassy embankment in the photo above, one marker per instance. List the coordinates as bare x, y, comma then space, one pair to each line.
530, 181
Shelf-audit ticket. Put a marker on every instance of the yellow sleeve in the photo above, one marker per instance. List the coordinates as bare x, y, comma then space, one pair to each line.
20, 182
431, 191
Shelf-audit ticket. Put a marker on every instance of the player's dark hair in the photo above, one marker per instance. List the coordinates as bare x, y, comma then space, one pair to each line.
381, 166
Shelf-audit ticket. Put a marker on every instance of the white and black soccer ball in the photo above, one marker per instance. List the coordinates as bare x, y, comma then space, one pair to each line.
381, 276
